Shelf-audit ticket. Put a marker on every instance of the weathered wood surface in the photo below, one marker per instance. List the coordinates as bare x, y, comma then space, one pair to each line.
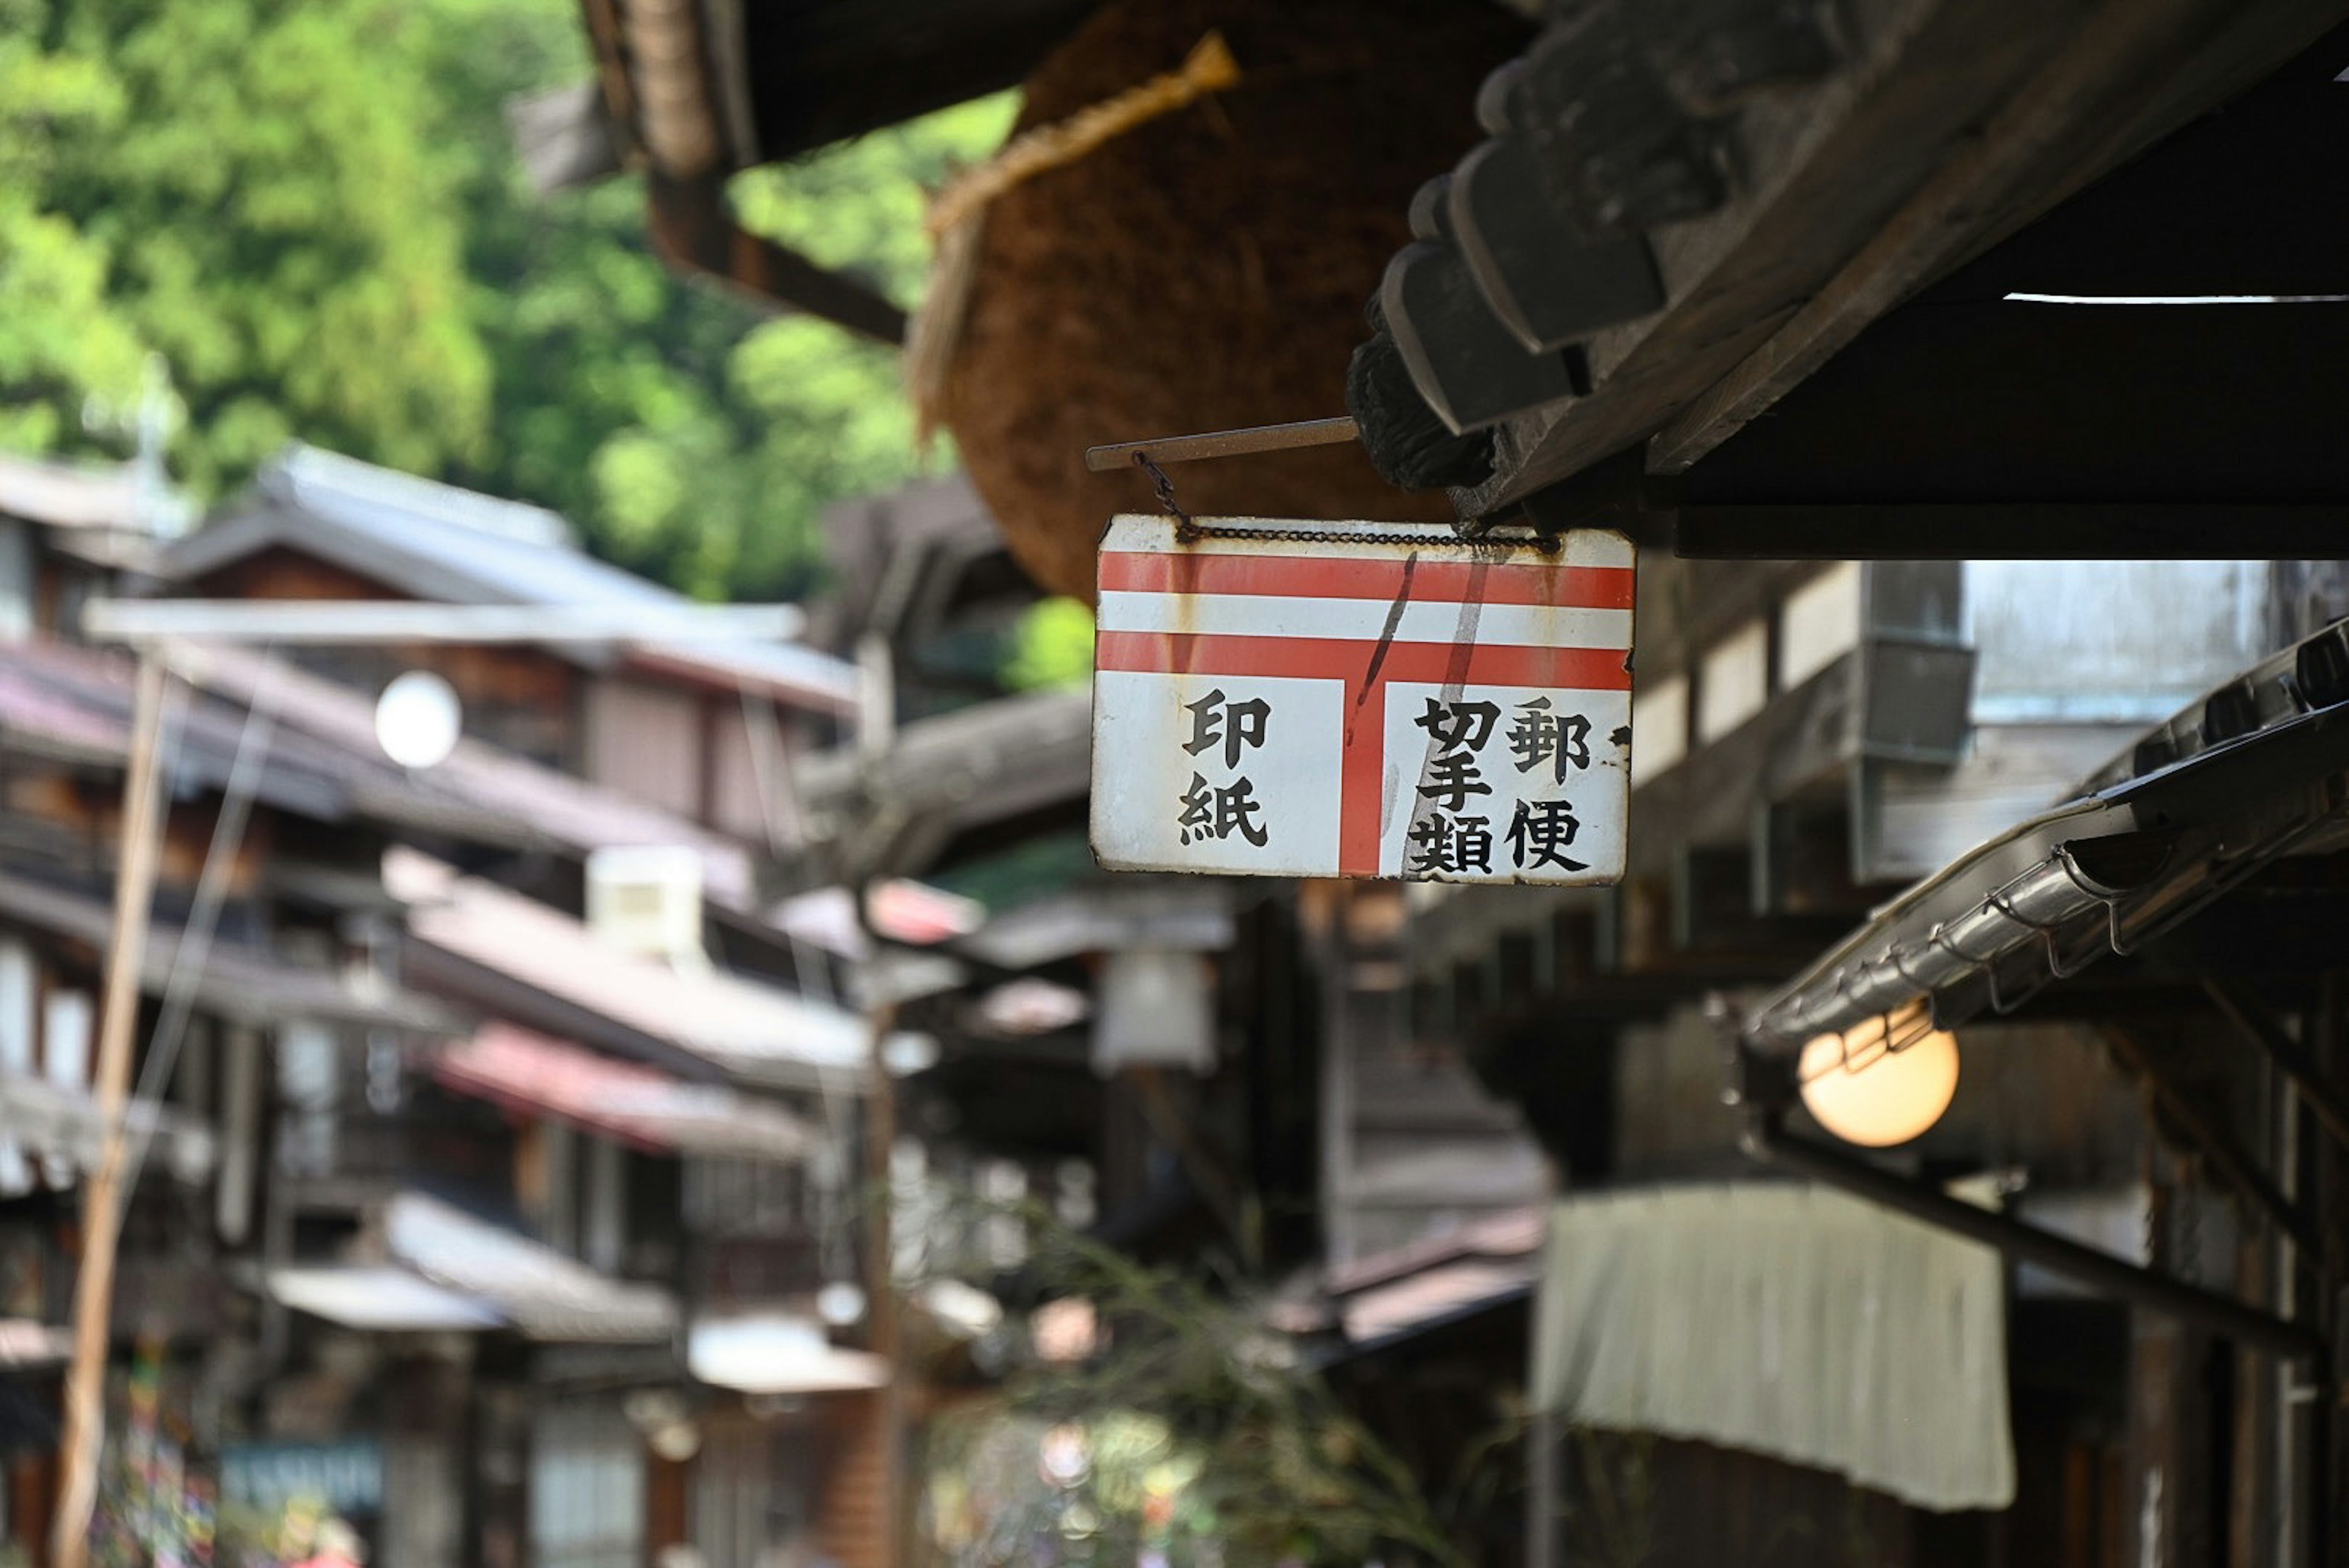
2133, 73
1803, 739
1818, 170
1957, 126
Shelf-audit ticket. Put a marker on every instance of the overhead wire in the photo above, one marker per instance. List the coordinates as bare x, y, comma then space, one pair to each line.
192, 954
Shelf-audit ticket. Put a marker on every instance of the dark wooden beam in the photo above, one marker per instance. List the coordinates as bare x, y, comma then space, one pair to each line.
2009, 531
2185, 1112
2294, 1060
822, 72
2253, 1327
2129, 75
1858, 197
1819, 169
1799, 737
1951, 402
694, 231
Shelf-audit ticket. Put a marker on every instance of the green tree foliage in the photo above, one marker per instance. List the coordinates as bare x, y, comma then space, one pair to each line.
807, 414
1186, 1395
1051, 648
273, 222
62, 338
311, 208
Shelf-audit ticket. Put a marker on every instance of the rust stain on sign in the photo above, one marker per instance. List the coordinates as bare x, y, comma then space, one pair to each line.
1386, 636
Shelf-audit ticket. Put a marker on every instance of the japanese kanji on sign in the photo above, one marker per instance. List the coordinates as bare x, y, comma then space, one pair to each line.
1403, 703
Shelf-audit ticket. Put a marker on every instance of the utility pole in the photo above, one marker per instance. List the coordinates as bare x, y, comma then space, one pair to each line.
102, 1199
875, 734
885, 1338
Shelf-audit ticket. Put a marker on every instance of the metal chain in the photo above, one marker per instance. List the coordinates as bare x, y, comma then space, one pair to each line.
1187, 529
1190, 530
1357, 536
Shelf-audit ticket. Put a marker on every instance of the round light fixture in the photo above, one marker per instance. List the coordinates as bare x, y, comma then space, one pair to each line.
417, 719
677, 1443
840, 1303
1867, 1094
908, 1051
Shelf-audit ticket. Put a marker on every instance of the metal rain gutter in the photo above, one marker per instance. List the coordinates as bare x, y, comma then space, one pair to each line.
1877, 973
2230, 785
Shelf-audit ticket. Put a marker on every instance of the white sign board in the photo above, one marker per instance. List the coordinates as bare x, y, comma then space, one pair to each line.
1402, 703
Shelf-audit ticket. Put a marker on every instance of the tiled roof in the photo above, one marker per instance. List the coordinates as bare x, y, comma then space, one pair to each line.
436, 542
237, 982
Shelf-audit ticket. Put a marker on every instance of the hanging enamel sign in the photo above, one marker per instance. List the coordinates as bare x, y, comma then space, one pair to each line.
1361, 700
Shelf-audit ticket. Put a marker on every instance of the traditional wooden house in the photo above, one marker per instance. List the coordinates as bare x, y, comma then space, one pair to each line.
1782, 794
690, 729
486, 1200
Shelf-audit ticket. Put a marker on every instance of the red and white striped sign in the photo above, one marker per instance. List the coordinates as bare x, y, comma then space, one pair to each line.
1401, 704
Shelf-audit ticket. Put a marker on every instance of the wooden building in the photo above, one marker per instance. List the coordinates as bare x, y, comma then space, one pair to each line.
692, 730
465, 1205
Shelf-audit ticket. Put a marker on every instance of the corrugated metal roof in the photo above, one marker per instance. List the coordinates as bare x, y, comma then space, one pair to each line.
750, 1030
437, 542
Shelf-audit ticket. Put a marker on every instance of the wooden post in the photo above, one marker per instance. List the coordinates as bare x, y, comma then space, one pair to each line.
886, 1339
102, 1200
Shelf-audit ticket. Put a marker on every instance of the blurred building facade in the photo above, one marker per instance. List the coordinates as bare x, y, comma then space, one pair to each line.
473, 1182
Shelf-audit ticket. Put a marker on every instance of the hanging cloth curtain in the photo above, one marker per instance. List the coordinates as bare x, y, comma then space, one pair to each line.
1787, 1320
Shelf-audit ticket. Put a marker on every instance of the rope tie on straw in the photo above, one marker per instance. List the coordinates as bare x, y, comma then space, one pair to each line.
957, 214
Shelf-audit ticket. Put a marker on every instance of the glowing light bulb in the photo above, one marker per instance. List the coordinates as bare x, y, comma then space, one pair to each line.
1866, 1095
417, 719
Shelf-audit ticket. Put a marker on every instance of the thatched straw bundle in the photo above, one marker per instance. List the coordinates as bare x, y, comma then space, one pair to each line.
1208, 268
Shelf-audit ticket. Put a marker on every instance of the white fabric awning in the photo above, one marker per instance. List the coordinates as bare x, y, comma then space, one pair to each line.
1787, 1320
777, 1353
381, 1297
541, 1292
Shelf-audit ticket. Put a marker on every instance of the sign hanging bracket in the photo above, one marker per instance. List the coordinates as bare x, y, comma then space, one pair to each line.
1223, 443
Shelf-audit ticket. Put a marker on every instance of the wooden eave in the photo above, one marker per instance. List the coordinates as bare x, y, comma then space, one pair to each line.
1939, 145
674, 80
1987, 417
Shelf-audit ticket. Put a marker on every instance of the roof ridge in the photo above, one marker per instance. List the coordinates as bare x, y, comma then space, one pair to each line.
301, 470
